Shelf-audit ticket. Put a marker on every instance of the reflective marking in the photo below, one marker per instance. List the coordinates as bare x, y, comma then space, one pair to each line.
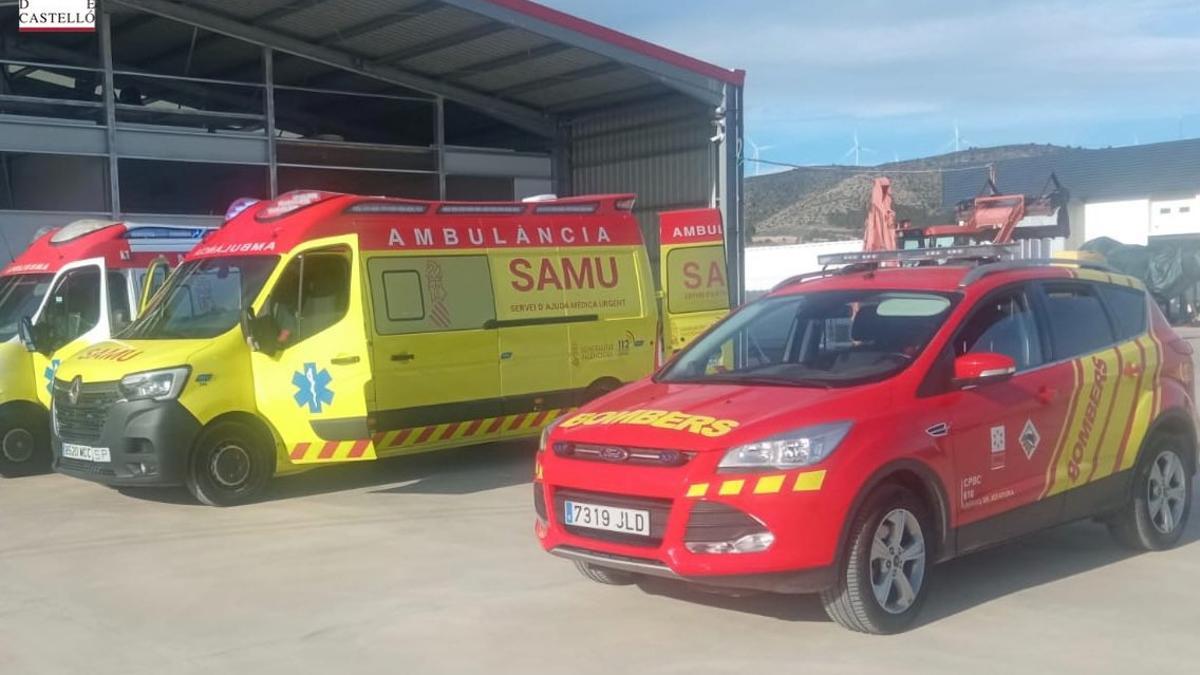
768, 485
809, 482
731, 487
697, 490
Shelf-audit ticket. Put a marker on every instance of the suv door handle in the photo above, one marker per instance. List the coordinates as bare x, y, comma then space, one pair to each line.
344, 360
1047, 394
403, 356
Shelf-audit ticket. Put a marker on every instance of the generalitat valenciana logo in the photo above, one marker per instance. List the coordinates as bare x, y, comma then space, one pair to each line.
57, 16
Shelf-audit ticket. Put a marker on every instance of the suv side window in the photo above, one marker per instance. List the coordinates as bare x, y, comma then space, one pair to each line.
312, 294
1003, 324
1078, 321
1128, 308
73, 307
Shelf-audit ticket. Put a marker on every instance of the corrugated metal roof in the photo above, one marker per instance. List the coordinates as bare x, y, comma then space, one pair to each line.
1161, 169
453, 40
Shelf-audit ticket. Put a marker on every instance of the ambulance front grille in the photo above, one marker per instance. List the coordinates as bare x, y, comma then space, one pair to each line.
83, 421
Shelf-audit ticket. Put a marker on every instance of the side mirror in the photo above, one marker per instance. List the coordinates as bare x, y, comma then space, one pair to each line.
27, 333
261, 333
972, 370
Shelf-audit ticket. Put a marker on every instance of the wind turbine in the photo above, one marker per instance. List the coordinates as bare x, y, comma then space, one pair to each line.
857, 149
757, 150
958, 140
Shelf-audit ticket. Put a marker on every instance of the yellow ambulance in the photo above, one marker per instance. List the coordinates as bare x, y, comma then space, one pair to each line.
321, 328
73, 287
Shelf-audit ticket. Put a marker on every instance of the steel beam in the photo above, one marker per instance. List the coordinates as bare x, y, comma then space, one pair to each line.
730, 182
490, 65
436, 44
562, 78
378, 23
269, 99
110, 111
518, 115
693, 84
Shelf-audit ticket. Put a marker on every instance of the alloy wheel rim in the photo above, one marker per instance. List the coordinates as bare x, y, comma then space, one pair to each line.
1166, 492
17, 445
230, 466
897, 561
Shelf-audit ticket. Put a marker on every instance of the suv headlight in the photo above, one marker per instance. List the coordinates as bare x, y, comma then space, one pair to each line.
801, 447
160, 385
546, 431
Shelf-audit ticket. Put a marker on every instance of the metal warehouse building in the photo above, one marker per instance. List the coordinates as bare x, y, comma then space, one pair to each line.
457, 99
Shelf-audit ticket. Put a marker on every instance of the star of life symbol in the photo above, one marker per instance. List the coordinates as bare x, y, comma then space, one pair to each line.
1030, 439
49, 373
312, 388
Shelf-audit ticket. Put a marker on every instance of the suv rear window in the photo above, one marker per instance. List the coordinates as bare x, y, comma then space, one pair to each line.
1128, 307
1078, 322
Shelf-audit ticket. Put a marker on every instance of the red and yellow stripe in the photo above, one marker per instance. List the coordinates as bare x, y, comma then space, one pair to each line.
420, 439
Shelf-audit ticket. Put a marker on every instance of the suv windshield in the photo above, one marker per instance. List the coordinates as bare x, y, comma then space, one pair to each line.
20, 296
203, 298
825, 339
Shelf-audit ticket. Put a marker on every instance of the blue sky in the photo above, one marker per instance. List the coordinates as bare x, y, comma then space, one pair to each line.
1069, 72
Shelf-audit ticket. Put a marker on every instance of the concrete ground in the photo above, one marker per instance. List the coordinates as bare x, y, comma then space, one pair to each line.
429, 565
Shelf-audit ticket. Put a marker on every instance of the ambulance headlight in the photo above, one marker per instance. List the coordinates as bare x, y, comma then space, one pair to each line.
790, 450
160, 385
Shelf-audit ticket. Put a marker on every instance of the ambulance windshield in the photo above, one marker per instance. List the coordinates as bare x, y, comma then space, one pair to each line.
20, 296
203, 299
826, 339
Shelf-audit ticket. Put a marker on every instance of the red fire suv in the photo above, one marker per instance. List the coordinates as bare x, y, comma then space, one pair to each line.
854, 427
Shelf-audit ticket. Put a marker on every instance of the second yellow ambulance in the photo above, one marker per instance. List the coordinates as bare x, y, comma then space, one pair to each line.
322, 328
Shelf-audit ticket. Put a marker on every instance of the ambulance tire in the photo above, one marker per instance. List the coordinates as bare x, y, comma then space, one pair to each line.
604, 575
852, 602
1163, 467
24, 442
230, 464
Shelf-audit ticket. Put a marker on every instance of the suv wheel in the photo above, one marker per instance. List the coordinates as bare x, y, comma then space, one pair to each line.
885, 574
1156, 516
24, 445
604, 575
230, 465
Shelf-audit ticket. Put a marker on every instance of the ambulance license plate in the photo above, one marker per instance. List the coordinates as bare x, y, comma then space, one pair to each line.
86, 453
611, 518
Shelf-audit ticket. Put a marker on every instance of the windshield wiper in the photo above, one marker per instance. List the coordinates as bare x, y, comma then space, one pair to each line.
758, 380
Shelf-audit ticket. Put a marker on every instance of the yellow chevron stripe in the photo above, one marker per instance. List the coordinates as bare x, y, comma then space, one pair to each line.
731, 487
809, 482
768, 485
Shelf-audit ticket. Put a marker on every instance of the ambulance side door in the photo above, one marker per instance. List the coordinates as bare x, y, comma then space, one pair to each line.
312, 383
695, 290
1003, 433
74, 315
436, 358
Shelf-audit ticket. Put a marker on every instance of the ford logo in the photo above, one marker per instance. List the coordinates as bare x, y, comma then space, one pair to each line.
614, 454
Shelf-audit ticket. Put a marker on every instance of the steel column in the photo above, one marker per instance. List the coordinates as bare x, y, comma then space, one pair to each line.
439, 139
269, 94
729, 182
110, 111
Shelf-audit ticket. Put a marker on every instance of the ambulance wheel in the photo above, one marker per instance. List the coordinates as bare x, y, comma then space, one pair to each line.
885, 574
230, 464
604, 575
24, 443
1155, 517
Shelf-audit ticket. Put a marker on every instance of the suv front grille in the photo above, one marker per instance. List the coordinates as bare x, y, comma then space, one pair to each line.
660, 510
82, 421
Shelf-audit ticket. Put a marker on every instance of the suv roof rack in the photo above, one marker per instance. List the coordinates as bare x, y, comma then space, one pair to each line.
945, 253
1009, 265
867, 261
